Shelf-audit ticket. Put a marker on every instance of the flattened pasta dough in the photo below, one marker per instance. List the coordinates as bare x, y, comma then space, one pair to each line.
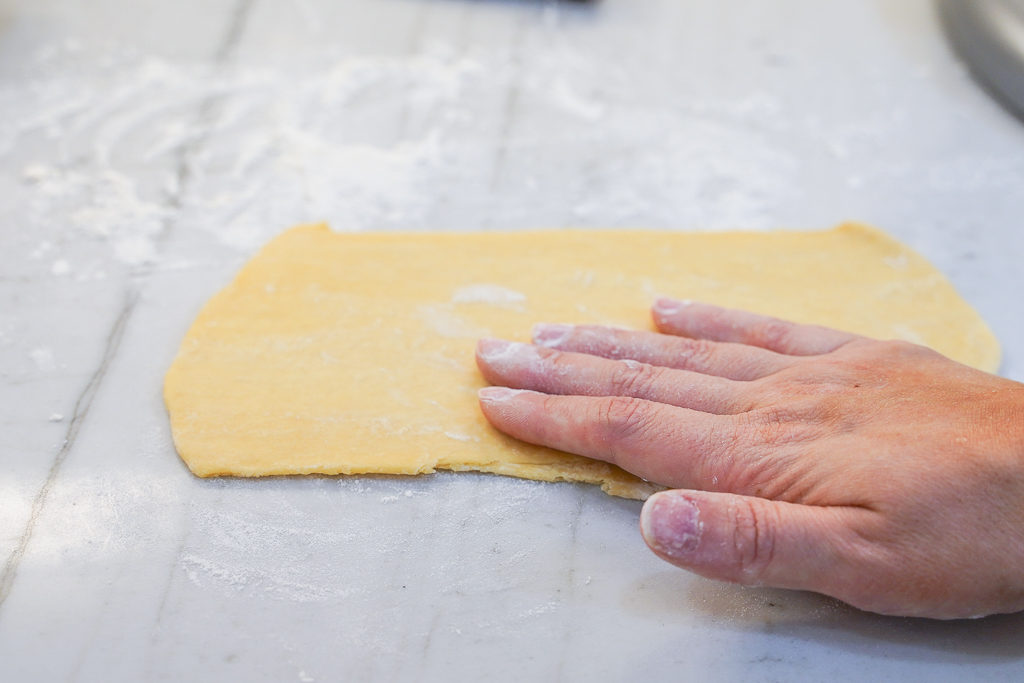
353, 353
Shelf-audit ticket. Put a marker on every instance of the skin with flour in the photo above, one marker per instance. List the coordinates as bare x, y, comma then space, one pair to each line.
880, 473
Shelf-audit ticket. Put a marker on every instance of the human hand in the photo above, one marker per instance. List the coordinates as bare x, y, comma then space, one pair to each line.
877, 472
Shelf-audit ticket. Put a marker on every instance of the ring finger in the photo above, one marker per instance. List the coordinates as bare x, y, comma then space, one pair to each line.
724, 359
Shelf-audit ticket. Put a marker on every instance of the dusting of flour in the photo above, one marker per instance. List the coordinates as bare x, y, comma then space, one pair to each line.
484, 293
232, 154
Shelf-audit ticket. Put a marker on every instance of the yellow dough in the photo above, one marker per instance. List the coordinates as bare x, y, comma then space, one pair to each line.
353, 353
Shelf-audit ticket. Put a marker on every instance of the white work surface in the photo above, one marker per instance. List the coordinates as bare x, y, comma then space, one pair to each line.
148, 148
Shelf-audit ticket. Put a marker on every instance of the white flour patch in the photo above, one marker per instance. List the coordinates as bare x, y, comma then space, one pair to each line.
102, 205
236, 153
494, 295
43, 358
897, 262
41, 249
262, 582
447, 323
460, 437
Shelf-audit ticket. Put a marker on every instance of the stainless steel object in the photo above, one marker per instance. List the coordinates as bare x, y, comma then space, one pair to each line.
989, 36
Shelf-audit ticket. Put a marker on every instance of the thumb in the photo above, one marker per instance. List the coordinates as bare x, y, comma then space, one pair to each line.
751, 540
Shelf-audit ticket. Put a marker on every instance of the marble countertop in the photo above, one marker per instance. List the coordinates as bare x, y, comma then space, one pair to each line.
147, 148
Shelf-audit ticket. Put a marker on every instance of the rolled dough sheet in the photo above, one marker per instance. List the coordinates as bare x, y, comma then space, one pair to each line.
353, 353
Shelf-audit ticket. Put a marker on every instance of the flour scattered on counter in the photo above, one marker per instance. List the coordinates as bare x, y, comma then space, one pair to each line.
395, 497
118, 214
103, 205
235, 154
262, 582
41, 249
568, 98
43, 358
36, 173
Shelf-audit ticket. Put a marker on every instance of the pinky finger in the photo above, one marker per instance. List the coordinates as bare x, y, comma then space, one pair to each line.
704, 321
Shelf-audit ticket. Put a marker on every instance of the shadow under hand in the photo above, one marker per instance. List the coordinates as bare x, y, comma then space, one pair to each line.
812, 617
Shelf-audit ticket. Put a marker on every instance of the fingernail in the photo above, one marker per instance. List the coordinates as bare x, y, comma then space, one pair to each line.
495, 394
666, 306
670, 523
490, 349
551, 335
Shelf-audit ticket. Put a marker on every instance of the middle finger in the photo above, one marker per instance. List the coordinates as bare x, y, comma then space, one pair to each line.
524, 366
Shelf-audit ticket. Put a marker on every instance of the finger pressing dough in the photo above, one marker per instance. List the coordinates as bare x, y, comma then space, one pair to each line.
353, 353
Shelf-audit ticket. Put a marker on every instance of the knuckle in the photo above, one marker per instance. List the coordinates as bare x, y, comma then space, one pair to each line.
556, 368
696, 354
771, 426
863, 355
786, 384
720, 454
557, 361
631, 378
774, 429
551, 406
771, 333
897, 345
616, 344
804, 392
718, 317
621, 419
898, 348
754, 528
792, 409
724, 440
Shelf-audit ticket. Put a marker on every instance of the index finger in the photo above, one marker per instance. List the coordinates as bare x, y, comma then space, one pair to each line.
677, 447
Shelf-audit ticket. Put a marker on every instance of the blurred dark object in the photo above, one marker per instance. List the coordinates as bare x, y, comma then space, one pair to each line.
989, 37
